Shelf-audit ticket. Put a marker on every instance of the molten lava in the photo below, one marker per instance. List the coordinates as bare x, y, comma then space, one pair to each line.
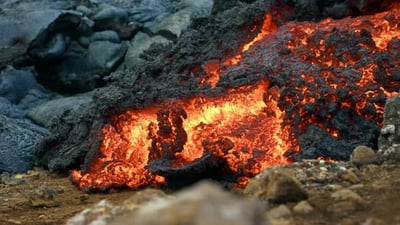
183, 130
253, 126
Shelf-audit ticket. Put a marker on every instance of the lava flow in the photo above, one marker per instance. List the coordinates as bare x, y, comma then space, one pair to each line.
183, 130
323, 74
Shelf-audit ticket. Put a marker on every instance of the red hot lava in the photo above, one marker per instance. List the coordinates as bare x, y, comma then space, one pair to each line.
254, 128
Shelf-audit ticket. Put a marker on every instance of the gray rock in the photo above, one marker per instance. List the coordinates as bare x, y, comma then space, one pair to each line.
162, 26
363, 155
82, 69
105, 55
45, 113
34, 97
53, 41
15, 84
19, 138
107, 35
204, 203
101, 214
104, 212
20, 23
276, 187
53, 49
83, 9
139, 44
115, 18
199, 8
10, 110
111, 13
148, 10
23, 20
389, 139
172, 25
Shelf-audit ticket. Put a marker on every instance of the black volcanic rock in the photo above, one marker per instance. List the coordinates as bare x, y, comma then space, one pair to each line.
76, 138
174, 72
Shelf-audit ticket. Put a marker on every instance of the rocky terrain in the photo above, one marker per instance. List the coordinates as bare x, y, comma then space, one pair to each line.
65, 66
359, 192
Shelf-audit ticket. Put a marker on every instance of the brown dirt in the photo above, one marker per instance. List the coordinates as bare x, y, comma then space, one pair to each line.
378, 185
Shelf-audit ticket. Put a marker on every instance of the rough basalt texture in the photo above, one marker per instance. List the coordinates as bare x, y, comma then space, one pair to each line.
76, 138
174, 70
19, 138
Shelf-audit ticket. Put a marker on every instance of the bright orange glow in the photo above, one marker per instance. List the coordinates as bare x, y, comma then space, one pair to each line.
327, 159
213, 71
383, 27
248, 120
241, 117
267, 28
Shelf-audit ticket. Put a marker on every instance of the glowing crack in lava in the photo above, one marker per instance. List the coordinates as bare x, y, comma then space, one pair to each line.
246, 119
315, 71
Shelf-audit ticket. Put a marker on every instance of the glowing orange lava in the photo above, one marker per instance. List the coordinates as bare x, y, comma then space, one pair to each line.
241, 116
249, 117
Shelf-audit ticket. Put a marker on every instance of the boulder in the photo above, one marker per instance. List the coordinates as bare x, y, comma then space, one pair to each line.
363, 155
21, 21
106, 35
15, 84
163, 26
139, 45
19, 138
172, 25
35, 97
147, 10
70, 57
47, 112
276, 187
104, 212
82, 69
10, 110
389, 139
204, 203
